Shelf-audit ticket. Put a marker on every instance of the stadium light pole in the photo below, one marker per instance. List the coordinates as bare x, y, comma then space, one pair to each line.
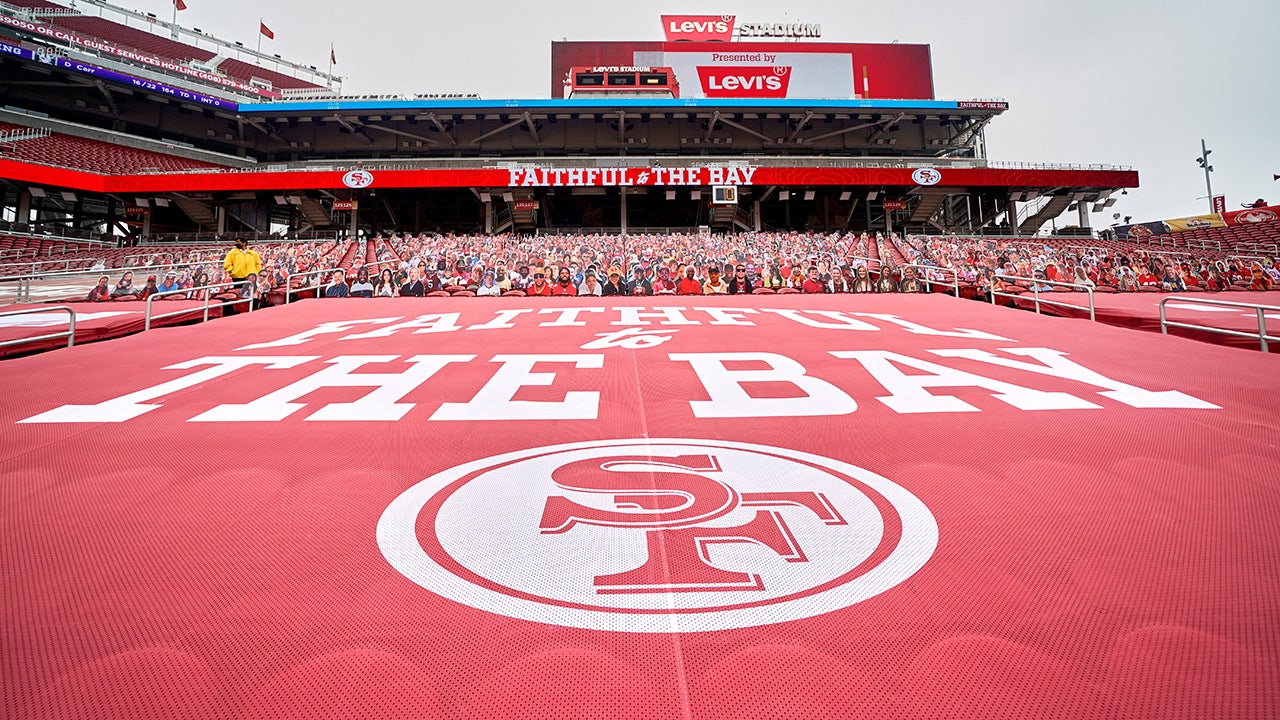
1203, 160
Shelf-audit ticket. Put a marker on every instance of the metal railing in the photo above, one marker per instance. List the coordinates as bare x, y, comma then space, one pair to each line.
1261, 336
1035, 284
924, 277
40, 267
289, 289
24, 282
69, 334
208, 298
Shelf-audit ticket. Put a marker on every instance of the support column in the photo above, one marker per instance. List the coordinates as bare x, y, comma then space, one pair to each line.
623, 192
888, 222
1082, 208
355, 219
24, 208
755, 215
488, 217
220, 212
1011, 215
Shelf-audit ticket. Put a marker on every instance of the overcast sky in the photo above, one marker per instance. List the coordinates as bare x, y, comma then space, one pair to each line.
1125, 82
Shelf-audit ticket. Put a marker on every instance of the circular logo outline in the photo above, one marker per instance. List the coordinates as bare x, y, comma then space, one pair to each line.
926, 176
358, 179
398, 541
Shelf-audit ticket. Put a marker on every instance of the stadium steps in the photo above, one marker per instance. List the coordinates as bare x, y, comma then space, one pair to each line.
931, 199
199, 213
315, 213
1051, 210
730, 217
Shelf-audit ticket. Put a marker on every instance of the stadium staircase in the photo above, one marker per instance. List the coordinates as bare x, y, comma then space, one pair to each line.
315, 213
930, 200
729, 217
199, 213
1051, 210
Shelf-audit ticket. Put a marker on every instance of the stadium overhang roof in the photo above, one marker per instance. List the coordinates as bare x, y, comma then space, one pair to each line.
611, 104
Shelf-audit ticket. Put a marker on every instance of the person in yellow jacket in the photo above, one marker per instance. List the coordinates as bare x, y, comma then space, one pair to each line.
241, 262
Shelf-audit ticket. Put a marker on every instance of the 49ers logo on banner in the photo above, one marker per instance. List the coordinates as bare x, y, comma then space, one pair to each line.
657, 535
745, 81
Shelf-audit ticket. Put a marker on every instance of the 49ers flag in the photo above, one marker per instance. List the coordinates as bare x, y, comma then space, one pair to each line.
262, 28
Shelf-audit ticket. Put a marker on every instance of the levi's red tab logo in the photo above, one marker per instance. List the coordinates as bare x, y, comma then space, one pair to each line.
745, 82
698, 28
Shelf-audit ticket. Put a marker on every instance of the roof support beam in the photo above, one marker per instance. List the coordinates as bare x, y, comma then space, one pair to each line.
441, 127
711, 126
800, 126
747, 130
845, 131
402, 133
533, 129
111, 101
499, 130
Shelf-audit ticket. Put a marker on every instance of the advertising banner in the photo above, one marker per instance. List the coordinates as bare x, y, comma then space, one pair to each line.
1253, 215
132, 56
814, 69
550, 176
762, 74
1197, 222
1220, 204
1141, 231
105, 74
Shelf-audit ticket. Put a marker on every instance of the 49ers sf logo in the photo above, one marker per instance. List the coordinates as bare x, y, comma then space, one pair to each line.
657, 535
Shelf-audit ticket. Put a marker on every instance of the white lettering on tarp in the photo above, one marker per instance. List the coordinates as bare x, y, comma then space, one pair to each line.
321, 329
568, 316
917, 329
502, 321
421, 325
908, 393
1054, 363
128, 407
838, 320
725, 381
630, 339
730, 400
729, 316
495, 401
670, 315
381, 404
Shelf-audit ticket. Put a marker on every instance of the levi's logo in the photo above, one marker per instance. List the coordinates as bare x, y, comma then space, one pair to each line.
698, 28
693, 26
745, 82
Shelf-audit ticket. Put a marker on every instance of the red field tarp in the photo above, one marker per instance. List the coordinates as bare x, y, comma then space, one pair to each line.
812, 507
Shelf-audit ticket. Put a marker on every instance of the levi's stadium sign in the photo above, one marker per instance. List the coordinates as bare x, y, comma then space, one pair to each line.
698, 28
720, 28
790, 30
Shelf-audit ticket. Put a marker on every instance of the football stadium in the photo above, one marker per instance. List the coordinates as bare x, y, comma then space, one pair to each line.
730, 379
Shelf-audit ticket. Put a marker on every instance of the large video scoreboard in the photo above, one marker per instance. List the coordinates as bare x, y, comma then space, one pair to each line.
716, 57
